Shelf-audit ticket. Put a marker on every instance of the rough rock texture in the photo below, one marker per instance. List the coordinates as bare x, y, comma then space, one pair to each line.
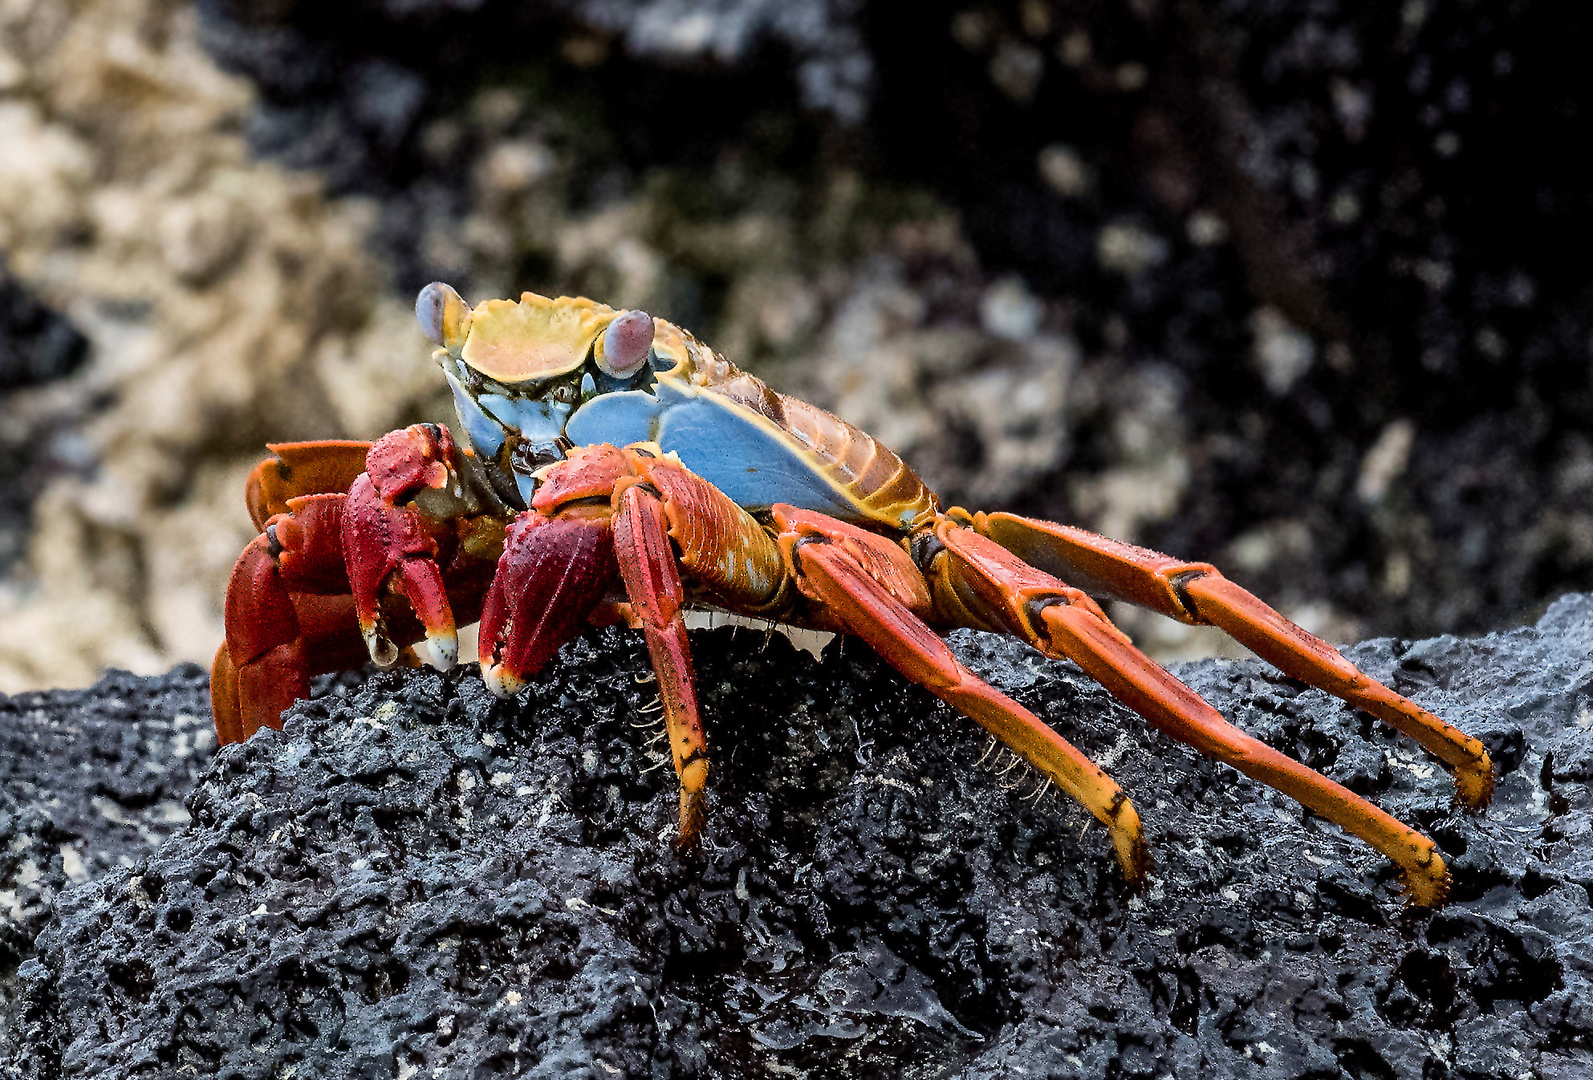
416, 879
224, 303
89, 780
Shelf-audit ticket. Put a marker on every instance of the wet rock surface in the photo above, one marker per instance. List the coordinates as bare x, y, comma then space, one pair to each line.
415, 876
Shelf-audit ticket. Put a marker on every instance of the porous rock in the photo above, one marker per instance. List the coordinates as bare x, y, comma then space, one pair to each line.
90, 779
417, 879
1275, 285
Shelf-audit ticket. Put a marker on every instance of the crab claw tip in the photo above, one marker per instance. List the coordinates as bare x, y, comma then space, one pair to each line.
444, 650
384, 652
501, 681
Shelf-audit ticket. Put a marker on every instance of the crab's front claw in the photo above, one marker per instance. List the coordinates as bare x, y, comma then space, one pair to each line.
393, 545
394, 549
552, 573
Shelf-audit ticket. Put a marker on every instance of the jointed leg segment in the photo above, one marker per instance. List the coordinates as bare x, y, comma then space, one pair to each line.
823, 556
1197, 593
1052, 617
652, 582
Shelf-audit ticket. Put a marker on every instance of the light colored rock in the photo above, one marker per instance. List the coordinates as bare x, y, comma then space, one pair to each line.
225, 303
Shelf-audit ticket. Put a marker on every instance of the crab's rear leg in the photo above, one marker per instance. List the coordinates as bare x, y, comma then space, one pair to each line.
1198, 594
978, 582
287, 618
867, 585
273, 628
304, 468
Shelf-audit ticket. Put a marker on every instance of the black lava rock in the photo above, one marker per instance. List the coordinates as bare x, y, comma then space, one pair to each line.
36, 344
90, 780
417, 879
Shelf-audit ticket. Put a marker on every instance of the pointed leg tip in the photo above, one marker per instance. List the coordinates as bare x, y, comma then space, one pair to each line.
693, 813
1431, 893
1474, 787
1136, 866
1426, 883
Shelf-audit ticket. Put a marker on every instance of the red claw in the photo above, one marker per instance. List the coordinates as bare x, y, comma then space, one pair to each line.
402, 463
397, 546
553, 572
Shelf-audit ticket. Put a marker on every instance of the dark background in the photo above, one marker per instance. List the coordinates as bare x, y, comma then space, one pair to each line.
1317, 269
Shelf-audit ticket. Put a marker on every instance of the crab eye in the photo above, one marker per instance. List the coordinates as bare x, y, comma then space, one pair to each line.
443, 315
623, 347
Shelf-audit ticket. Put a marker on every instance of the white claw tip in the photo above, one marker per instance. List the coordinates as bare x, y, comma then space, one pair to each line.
384, 654
500, 681
443, 650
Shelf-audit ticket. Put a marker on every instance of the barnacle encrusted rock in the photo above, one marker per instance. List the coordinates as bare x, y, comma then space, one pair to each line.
418, 879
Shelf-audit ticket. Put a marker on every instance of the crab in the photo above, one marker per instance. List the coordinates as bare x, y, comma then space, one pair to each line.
613, 468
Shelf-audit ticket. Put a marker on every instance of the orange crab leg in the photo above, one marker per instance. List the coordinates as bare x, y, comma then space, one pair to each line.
866, 585
303, 468
652, 581
1060, 622
1197, 593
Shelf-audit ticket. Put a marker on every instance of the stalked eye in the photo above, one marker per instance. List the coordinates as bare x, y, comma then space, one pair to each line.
443, 315
623, 347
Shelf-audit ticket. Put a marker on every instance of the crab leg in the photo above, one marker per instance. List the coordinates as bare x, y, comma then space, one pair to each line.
652, 581
286, 618
866, 584
303, 468
976, 575
669, 521
1198, 594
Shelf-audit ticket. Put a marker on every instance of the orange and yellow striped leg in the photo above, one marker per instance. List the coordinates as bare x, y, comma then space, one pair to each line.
647, 562
1198, 594
1062, 622
866, 584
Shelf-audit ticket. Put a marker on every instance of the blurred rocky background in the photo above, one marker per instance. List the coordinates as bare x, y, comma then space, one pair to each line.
1295, 288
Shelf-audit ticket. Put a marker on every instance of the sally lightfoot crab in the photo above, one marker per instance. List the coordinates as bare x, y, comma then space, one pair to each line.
617, 469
